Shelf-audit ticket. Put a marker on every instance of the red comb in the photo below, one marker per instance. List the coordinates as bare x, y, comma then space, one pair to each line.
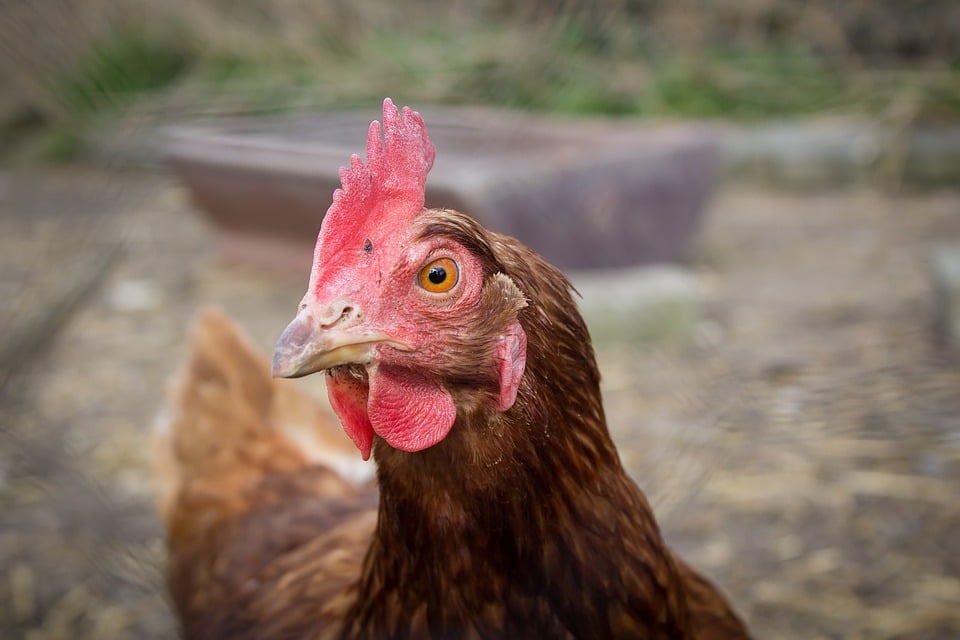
395, 173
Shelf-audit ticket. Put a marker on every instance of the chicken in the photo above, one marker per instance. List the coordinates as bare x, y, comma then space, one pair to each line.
457, 358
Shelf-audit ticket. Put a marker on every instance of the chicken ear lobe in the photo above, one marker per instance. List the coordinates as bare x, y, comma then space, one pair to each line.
512, 357
502, 301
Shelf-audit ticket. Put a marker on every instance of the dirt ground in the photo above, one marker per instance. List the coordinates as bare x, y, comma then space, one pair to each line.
803, 448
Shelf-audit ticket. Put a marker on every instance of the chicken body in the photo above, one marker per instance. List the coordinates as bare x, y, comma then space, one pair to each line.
515, 519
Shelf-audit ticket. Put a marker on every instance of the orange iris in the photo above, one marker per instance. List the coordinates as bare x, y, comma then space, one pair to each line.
439, 276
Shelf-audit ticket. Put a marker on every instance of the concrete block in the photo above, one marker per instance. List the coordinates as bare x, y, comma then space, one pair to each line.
657, 303
583, 193
945, 267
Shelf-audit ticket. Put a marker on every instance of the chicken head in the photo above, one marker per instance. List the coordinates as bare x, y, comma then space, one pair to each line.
405, 310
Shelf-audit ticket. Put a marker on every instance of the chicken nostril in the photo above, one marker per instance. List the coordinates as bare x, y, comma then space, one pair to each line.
338, 313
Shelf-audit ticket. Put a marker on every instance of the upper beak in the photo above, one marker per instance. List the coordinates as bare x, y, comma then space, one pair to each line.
306, 346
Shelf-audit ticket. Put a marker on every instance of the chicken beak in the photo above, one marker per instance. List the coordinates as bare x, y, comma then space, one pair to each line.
306, 347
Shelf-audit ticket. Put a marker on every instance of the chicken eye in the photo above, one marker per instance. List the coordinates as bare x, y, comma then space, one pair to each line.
439, 276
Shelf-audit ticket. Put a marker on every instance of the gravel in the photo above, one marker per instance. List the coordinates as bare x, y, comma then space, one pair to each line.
802, 446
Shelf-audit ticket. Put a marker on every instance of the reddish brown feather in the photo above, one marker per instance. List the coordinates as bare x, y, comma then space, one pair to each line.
521, 524
242, 503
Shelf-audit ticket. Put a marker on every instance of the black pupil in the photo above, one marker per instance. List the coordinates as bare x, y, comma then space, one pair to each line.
437, 275
367, 245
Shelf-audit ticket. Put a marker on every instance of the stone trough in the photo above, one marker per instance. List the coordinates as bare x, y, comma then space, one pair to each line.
587, 194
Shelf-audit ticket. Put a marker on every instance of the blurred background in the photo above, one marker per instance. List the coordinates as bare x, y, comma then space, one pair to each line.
790, 401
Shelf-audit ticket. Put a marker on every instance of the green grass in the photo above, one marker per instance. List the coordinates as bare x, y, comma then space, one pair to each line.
60, 145
564, 65
744, 86
118, 68
564, 70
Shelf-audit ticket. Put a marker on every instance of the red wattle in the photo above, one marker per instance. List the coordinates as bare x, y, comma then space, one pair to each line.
407, 410
348, 397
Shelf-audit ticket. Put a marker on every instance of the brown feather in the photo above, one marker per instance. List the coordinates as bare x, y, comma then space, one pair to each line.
517, 524
242, 500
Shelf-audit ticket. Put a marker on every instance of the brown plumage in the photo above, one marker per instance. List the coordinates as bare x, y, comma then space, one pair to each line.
519, 522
